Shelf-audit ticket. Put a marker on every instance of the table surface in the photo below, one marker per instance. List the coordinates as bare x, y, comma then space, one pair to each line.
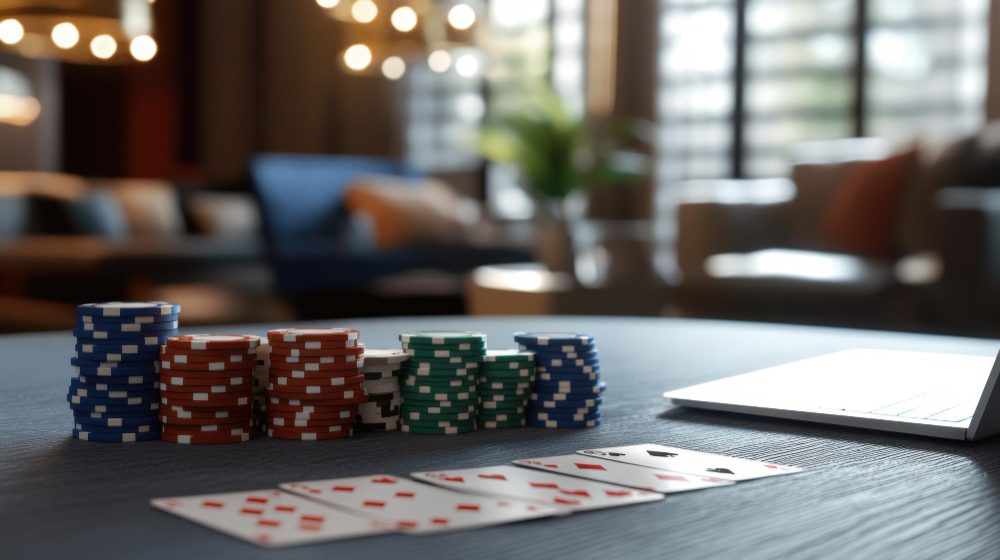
863, 494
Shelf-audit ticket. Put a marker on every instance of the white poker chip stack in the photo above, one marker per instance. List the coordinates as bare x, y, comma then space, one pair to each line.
260, 380
381, 370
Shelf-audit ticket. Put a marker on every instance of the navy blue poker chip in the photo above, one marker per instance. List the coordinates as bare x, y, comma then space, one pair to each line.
115, 409
117, 380
87, 393
144, 418
549, 363
155, 425
140, 320
151, 337
552, 339
138, 329
570, 387
564, 423
109, 347
117, 438
130, 401
549, 376
153, 382
574, 369
128, 308
115, 371
578, 353
544, 415
112, 357
545, 401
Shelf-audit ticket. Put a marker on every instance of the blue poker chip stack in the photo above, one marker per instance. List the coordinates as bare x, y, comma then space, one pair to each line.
568, 386
115, 393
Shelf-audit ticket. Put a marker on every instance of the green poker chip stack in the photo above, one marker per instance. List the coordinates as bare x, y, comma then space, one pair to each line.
505, 382
440, 381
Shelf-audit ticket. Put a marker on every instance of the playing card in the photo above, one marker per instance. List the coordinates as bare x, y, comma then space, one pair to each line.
691, 462
657, 480
270, 518
564, 492
415, 507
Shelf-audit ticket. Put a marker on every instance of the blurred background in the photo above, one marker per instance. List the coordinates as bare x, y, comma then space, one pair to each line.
829, 162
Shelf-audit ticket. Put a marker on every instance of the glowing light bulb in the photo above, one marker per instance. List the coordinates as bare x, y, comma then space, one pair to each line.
393, 68
467, 65
404, 19
439, 61
143, 48
103, 46
364, 11
11, 32
461, 16
328, 3
357, 57
65, 35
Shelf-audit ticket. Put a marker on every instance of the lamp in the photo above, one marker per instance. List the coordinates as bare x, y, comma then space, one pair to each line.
18, 105
79, 31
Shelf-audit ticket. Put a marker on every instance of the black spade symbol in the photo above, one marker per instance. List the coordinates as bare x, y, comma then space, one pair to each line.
660, 453
721, 470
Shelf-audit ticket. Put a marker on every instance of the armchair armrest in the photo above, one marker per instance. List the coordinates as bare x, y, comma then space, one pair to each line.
731, 216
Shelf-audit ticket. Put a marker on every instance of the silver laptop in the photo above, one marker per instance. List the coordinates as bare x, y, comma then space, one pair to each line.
940, 395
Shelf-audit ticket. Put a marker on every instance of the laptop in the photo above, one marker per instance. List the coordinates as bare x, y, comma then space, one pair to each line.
938, 395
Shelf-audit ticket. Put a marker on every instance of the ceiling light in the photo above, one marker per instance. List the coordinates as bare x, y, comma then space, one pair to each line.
143, 48
461, 16
393, 68
103, 46
364, 11
439, 61
11, 31
357, 57
65, 35
404, 19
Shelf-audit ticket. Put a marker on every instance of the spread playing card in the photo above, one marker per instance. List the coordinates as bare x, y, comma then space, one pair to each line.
691, 462
569, 493
415, 507
657, 480
270, 517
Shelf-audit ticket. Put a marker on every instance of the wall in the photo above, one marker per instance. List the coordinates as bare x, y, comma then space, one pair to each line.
36, 147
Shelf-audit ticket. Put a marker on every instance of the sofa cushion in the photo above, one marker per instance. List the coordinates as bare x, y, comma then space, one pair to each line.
862, 215
151, 207
815, 186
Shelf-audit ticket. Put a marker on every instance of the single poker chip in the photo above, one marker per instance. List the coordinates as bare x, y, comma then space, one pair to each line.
504, 397
109, 357
438, 409
564, 423
176, 401
311, 334
374, 418
347, 414
140, 328
426, 362
462, 395
114, 371
509, 376
509, 355
542, 415
205, 366
384, 356
112, 401
325, 429
564, 351
442, 337
334, 381
567, 362
379, 426
130, 429
416, 381
220, 389
307, 436
277, 351
335, 391
383, 407
207, 424
285, 423
439, 431
148, 338
199, 439
571, 355
439, 423
390, 385
571, 369
78, 390
501, 416
442, 374
428, 416
198, 381
320, 360
592, 377
215, 431
125, 437
485, 383
572, 389
495, 424
350, 366
478, 347
209, 392
464, 355
208, 415
411, 402
506, 406
147, 418
129, 349
232, 354
279, 400
121, 383
128, 308
550, 339
379, 375
544, 401
311, 408
134, 320
116, 410
213, 342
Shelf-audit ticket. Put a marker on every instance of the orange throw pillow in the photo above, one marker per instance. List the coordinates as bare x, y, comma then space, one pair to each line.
862, 213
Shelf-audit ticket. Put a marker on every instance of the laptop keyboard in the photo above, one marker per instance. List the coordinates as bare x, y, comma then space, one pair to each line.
932, 405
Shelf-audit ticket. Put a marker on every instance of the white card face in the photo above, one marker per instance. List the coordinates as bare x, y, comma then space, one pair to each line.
415, 507
657, 480
564, 492
690, 462
270, 518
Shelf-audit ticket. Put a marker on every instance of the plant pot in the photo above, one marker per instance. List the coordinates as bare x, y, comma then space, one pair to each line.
553, 243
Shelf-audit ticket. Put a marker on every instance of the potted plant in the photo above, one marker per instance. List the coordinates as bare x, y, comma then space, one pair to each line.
557, 154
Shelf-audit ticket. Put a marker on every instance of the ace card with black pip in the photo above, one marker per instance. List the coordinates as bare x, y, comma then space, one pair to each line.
691, 462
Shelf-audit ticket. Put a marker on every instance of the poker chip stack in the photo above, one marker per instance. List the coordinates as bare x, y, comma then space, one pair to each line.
206, 387
315, 384
115, 393
505, 382
260, 379
440, 381
381, 370
568, 391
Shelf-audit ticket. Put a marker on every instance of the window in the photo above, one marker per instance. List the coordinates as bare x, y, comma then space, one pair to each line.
741, 81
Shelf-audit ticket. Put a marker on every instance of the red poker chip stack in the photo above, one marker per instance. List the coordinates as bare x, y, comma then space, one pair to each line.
206, 387
315, 383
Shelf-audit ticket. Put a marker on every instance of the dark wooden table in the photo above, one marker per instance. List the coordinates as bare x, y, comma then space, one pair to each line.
864, 494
